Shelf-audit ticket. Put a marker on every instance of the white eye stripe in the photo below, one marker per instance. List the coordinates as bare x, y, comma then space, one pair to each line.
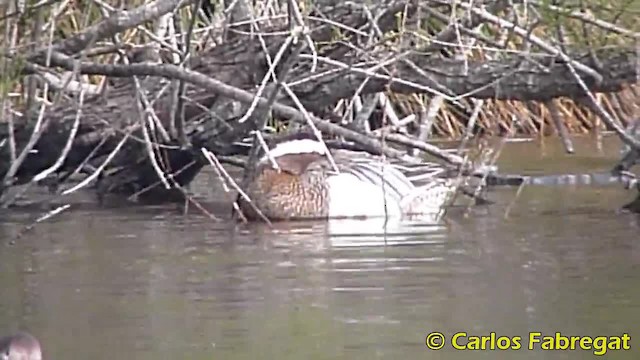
304, 146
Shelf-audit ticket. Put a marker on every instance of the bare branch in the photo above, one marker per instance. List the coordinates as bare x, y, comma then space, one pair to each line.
112, 25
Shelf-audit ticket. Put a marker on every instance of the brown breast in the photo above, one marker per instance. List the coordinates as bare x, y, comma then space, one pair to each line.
281, 195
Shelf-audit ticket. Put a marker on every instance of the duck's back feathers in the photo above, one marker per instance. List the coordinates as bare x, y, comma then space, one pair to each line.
383, 176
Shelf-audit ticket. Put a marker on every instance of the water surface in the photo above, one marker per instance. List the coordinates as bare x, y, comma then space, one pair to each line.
154, 283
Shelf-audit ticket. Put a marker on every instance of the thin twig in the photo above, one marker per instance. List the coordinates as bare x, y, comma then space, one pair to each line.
42, 218
216, 164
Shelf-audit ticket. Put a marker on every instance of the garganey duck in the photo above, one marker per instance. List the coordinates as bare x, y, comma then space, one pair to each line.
296, 180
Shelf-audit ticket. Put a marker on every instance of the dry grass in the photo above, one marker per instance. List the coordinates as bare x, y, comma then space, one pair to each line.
64, 18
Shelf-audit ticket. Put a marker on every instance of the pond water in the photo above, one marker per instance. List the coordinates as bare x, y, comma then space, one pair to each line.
154, 283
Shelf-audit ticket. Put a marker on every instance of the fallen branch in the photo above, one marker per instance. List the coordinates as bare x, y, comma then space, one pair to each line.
110, 26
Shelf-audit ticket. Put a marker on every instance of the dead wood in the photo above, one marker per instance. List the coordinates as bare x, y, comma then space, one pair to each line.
221, 82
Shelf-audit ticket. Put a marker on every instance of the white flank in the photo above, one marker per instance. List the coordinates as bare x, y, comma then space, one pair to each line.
303, 146
352, 197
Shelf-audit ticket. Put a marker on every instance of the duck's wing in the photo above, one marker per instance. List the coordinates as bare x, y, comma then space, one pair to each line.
378, 173
422, 173
400, 177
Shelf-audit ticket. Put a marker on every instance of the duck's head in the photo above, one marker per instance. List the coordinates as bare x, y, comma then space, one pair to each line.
293, 156
20, 346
